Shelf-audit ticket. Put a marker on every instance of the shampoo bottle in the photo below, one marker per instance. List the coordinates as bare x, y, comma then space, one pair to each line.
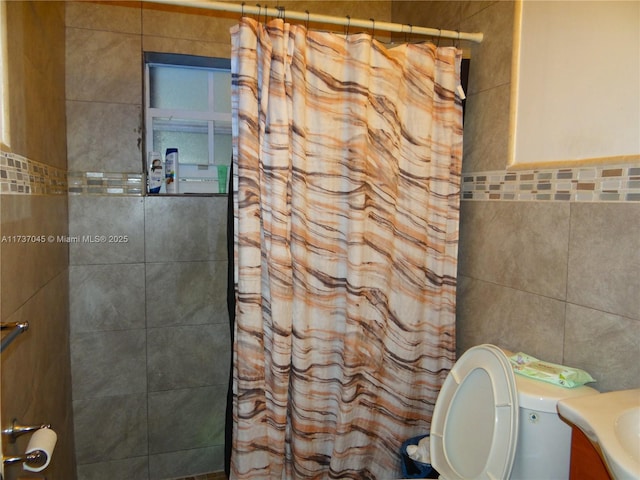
171, 170
154, 173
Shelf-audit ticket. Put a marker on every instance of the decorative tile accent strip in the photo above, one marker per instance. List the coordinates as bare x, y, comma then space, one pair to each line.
103, 183
611, 183
21, 176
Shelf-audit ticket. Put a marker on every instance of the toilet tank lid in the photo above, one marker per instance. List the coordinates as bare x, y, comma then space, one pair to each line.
543, 397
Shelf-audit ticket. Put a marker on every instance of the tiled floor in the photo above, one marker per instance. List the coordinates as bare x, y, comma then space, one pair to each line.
206, 476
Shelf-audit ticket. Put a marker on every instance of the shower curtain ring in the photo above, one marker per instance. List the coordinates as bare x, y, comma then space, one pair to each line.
373, 27
242, 11
260, 12
308, 15
346, 32
407, 35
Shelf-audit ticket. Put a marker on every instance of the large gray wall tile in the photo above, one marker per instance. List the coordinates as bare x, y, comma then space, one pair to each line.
36, 364
130, 468
186, 419
106, 297
185, 26
509, 318
35, 68
186, 293
486, 130
106, 216
103, 66
219, 49
104, 137
516, 244
490, 60
445, 14
30, 265
93, 16
188, 356
185, 228
108, 363
604, 257
186, 462
110, 428
604, 345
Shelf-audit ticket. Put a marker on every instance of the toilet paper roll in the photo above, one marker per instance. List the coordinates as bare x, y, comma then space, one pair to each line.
44, 440
425, 447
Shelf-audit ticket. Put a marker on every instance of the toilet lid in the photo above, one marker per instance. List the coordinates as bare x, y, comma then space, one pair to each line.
474, 429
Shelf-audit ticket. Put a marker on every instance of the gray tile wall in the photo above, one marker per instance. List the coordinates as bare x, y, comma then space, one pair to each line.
150, 340
576, 305
35, 377
558, 280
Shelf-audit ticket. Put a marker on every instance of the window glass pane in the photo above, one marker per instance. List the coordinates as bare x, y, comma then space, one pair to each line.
221, 91
222, 149
178, 88
222, 143
190, 137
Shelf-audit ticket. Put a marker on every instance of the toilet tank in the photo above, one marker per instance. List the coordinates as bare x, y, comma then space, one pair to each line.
544, 441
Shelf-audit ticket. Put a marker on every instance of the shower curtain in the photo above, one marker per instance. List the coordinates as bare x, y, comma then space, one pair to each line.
346, 175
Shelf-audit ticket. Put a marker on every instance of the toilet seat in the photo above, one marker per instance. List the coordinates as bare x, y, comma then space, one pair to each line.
474, 429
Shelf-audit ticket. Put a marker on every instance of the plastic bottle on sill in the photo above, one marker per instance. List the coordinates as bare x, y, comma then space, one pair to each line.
171, 170
155, 176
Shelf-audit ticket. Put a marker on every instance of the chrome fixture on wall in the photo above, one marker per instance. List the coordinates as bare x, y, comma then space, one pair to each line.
39, 449
34, 459
15, 430
16, 329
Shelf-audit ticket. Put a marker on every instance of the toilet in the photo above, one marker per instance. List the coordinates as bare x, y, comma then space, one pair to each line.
489, 423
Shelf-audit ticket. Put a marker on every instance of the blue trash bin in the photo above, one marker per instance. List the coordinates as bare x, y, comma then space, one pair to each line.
410, 467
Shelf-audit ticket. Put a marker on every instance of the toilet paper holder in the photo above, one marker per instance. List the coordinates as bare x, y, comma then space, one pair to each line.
33, 459
15, 430
16, 329
39, 449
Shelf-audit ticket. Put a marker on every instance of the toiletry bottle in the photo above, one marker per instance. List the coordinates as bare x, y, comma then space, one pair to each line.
171, 170
154, 173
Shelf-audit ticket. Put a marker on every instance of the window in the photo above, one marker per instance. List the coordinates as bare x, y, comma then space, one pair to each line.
188, 107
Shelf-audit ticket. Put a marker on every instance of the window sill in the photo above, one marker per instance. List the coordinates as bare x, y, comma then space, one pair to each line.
186, 195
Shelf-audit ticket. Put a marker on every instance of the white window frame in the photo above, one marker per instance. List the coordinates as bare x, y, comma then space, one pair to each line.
188, 172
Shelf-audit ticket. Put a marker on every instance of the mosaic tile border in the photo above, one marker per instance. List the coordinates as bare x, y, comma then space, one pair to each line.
21, 176
610, 183
106, 183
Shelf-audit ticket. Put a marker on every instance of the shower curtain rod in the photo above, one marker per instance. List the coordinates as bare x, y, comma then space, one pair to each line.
318, 18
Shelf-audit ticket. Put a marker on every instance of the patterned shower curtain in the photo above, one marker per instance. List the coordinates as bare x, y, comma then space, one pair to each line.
347, 158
